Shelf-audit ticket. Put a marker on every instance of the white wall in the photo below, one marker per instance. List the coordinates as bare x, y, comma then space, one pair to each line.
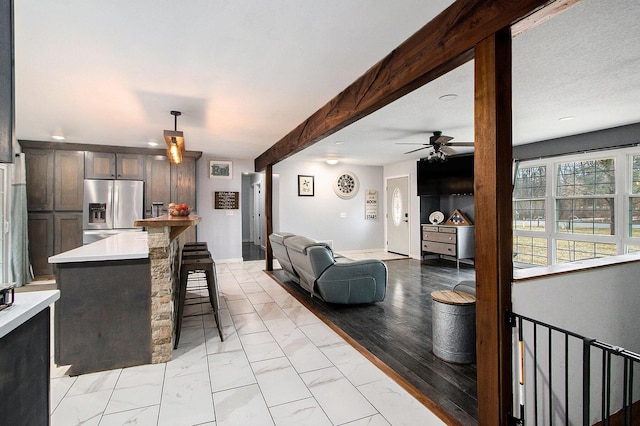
316, 217
319, 217
220, 229
407, 168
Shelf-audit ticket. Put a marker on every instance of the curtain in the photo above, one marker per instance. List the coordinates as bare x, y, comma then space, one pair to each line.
20, 270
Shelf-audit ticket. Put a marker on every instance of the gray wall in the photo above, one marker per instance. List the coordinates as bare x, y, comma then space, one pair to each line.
601, 139
221, 229
320, 216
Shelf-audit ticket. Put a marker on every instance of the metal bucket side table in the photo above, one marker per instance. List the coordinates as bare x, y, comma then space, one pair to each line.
454, 326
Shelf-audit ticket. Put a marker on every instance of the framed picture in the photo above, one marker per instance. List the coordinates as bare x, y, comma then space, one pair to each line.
220, 169
305, 186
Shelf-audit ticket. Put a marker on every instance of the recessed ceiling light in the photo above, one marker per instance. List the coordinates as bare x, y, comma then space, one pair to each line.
332, 161
449, 97
152, 143
58, 137
339, 142
567, 118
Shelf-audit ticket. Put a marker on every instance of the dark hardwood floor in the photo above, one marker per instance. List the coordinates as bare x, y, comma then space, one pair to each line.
398, 332
251, 251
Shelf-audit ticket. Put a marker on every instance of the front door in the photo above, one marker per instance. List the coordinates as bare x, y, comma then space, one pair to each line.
398, 235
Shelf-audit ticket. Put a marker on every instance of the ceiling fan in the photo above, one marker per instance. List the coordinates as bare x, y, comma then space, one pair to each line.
440, 143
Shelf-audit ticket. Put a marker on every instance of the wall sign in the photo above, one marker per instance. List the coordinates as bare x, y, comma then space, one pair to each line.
226, 200
371, 204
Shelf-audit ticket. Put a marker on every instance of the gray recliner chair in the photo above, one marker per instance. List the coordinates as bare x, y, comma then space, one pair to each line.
280, 252
297, 246
335, 279
359, 281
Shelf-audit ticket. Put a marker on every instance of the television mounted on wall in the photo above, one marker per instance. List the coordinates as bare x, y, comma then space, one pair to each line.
453, 176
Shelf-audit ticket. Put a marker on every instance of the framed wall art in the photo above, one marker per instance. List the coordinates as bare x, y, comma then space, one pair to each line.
305, 186
219, 169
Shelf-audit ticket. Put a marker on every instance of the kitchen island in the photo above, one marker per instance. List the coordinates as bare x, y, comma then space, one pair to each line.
116, 303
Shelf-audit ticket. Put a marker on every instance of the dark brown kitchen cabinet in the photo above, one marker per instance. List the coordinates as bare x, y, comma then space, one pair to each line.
69, 180
67, 231
130, 166
183, 182
7, 78
157, 182
183, 190
41, 243
111, 165
39, 168
99, 165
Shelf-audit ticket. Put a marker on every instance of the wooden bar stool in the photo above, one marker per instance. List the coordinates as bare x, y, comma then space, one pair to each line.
195, 254
189, 266
194, 246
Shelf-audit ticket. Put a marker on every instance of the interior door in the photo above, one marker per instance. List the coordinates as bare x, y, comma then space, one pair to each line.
257, 214
398, 235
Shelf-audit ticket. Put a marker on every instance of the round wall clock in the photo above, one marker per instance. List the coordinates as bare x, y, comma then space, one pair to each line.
346, 185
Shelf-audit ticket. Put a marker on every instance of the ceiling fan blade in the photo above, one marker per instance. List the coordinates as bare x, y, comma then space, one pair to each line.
442, 139
412, 143
424, 147
460, 144
447, 150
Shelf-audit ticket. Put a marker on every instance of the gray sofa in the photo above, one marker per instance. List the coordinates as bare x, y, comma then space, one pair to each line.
334, 279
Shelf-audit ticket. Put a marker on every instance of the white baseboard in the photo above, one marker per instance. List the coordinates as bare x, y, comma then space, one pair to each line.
231, 260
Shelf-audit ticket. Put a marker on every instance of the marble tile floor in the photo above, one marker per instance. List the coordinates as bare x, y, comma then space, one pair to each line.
278, 365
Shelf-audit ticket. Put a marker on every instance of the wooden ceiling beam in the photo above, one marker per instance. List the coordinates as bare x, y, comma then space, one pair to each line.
437, 48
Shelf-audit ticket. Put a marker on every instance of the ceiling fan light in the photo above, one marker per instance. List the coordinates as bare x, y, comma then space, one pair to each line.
448, 97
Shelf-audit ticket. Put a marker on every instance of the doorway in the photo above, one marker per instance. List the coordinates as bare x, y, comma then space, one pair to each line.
252, 217
398, 232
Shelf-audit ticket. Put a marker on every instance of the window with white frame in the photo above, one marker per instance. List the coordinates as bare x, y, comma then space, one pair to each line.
577, 207
634, 203
530, 215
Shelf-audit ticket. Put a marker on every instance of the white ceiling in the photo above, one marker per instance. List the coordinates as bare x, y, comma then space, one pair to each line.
244, 74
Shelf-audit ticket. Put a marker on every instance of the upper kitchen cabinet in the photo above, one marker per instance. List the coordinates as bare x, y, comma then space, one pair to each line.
7, 77
110, 165
99, 165
183, 190
183, 182
69, 172
130, 166
39, 174
157, 182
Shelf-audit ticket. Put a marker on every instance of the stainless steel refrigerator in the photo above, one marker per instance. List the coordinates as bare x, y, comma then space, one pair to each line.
111, 206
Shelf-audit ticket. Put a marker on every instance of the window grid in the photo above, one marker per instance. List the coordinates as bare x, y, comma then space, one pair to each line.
572, 250
530, 250
591, 201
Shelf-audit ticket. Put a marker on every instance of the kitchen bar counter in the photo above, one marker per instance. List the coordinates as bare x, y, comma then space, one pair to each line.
25, 307
116, 302
125, 245
25, 358
177, 224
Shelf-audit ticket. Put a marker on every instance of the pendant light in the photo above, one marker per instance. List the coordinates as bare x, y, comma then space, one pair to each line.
175, 141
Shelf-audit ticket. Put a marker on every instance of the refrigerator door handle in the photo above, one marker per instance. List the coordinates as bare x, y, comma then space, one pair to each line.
116, 203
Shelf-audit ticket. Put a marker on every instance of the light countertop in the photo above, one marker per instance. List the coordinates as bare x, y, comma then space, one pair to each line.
123, 246
25, 307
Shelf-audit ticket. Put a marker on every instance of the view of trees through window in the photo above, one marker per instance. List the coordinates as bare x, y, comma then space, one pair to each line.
570, 213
